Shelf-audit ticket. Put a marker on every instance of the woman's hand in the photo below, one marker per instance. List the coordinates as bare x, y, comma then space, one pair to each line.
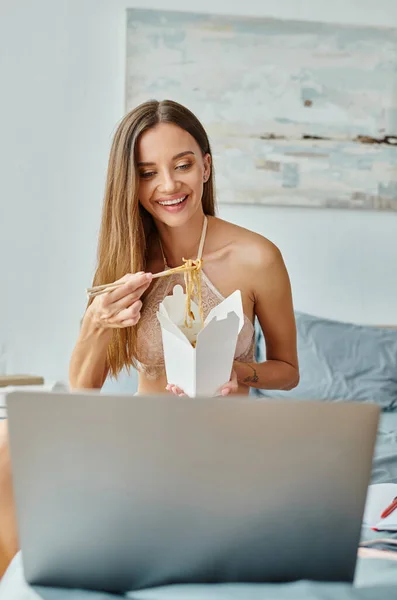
229, 388
120, 307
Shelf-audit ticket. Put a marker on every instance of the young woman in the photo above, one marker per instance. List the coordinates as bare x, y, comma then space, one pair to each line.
160, 208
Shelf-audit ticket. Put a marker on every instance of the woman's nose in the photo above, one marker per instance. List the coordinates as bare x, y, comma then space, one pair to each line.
168, 182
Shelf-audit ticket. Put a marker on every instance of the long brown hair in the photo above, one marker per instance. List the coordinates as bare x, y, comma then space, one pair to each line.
126, 227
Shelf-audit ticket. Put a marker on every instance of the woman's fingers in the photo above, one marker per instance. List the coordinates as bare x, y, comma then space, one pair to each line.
174, 389
231, 386
116, 307
131, 314
134, 284
122, 306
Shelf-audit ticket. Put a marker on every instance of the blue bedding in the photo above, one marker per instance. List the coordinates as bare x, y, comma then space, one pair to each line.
376, 579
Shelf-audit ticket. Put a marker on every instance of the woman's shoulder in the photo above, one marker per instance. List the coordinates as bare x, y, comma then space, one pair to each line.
246, 248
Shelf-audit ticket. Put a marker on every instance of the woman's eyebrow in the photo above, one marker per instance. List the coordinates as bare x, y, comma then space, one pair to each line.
179, 155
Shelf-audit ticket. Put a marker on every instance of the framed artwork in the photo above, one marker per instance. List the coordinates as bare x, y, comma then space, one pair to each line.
298, 113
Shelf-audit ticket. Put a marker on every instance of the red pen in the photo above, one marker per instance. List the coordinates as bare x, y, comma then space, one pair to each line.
391, 508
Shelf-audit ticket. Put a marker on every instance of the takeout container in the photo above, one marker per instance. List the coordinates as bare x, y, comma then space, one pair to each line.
199, 359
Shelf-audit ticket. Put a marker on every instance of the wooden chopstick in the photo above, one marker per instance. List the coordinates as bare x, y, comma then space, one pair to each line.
97, 290
105, 290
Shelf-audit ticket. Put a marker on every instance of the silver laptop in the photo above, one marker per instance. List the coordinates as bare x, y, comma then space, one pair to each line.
120, 493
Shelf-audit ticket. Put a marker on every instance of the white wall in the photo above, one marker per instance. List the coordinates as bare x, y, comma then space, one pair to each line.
62, 93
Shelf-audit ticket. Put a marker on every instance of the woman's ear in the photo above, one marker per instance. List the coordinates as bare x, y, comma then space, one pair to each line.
207, 166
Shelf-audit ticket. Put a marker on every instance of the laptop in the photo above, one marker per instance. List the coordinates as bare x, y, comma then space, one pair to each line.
121, 493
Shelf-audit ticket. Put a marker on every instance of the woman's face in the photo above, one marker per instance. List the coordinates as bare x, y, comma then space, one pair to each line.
172, 171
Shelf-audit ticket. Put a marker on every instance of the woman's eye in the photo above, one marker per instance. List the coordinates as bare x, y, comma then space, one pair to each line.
184, 167
147, 174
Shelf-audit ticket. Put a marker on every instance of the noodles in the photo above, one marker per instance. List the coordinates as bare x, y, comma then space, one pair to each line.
192, 275
192, 285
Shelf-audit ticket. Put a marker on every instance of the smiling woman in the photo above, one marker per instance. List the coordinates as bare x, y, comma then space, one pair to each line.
159, 210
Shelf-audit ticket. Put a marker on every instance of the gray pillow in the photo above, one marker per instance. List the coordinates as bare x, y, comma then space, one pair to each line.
341, 361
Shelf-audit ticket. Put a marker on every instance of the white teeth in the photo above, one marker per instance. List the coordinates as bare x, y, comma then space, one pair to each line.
172, 202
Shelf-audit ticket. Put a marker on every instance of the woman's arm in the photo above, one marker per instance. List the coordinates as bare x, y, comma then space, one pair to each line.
274, 309
88, 369
113, 310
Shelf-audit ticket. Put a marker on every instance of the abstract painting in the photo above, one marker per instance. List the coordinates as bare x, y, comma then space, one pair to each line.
298, 113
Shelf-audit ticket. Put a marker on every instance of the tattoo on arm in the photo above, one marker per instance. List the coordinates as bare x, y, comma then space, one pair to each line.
251, 378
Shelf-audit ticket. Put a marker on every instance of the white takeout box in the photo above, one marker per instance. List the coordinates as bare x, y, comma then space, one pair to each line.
202, 370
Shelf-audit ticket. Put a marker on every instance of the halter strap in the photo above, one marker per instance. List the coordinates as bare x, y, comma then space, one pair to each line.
202, 239
162, 252
201, 244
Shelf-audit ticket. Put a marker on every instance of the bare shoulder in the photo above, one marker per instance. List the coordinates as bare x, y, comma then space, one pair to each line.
246, 248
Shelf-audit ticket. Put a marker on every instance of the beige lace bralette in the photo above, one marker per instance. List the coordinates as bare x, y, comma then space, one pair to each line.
149, 339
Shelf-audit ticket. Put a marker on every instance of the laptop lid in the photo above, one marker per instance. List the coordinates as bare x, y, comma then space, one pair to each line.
119, 493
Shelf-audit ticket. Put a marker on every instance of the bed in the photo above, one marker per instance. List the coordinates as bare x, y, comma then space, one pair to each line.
338, 362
